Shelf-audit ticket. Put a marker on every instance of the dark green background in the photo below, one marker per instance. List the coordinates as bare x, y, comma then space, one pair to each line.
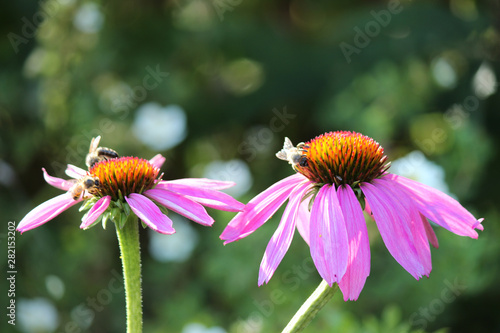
51, 102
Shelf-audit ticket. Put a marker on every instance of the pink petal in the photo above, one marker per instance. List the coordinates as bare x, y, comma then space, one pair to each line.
304, 220
59, 183
46, 211
358, 262
97, 209
282, 238
75, 172
368, 210
440, 208
150, 214
181, 205
392, 222
478, 224
329, 247
202, 183
157, 160
260, 209
206, 197
431, 235
415, 223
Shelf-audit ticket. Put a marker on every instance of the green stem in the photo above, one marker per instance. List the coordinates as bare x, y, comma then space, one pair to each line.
128, 237
310, 308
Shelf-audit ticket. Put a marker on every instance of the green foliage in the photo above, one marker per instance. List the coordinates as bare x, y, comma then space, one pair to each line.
247, 74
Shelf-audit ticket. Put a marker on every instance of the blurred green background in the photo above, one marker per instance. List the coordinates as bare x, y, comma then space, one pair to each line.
215, 86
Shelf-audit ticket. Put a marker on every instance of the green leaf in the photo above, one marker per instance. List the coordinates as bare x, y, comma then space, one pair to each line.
87, 204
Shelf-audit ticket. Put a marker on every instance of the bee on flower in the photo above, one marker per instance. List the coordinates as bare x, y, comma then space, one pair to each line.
338, 176
114, 186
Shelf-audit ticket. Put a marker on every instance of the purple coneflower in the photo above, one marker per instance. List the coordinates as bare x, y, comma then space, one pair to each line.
340, 174
120, 185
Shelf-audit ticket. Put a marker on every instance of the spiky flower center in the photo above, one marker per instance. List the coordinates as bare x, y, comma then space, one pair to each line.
342, 158
121, 176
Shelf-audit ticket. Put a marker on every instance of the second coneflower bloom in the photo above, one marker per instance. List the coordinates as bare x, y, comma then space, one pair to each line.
340, 174
112, 188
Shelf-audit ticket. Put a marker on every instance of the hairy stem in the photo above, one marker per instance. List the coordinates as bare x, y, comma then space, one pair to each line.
310, 308
128, 237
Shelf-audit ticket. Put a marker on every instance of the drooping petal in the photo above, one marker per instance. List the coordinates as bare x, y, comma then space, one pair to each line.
181, 205
202, 183
75, 172
358, 262
328, 236
46, 211
93, 214
440, 208
59, 183
415, 223
260, 209
282, 237
157, 160
431, 235
206, 197
304, 220
368, 210
150, 214
392, 222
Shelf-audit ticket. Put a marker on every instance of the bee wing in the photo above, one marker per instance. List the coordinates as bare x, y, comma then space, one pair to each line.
94, 144
287, 144
73, 181
283, 153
